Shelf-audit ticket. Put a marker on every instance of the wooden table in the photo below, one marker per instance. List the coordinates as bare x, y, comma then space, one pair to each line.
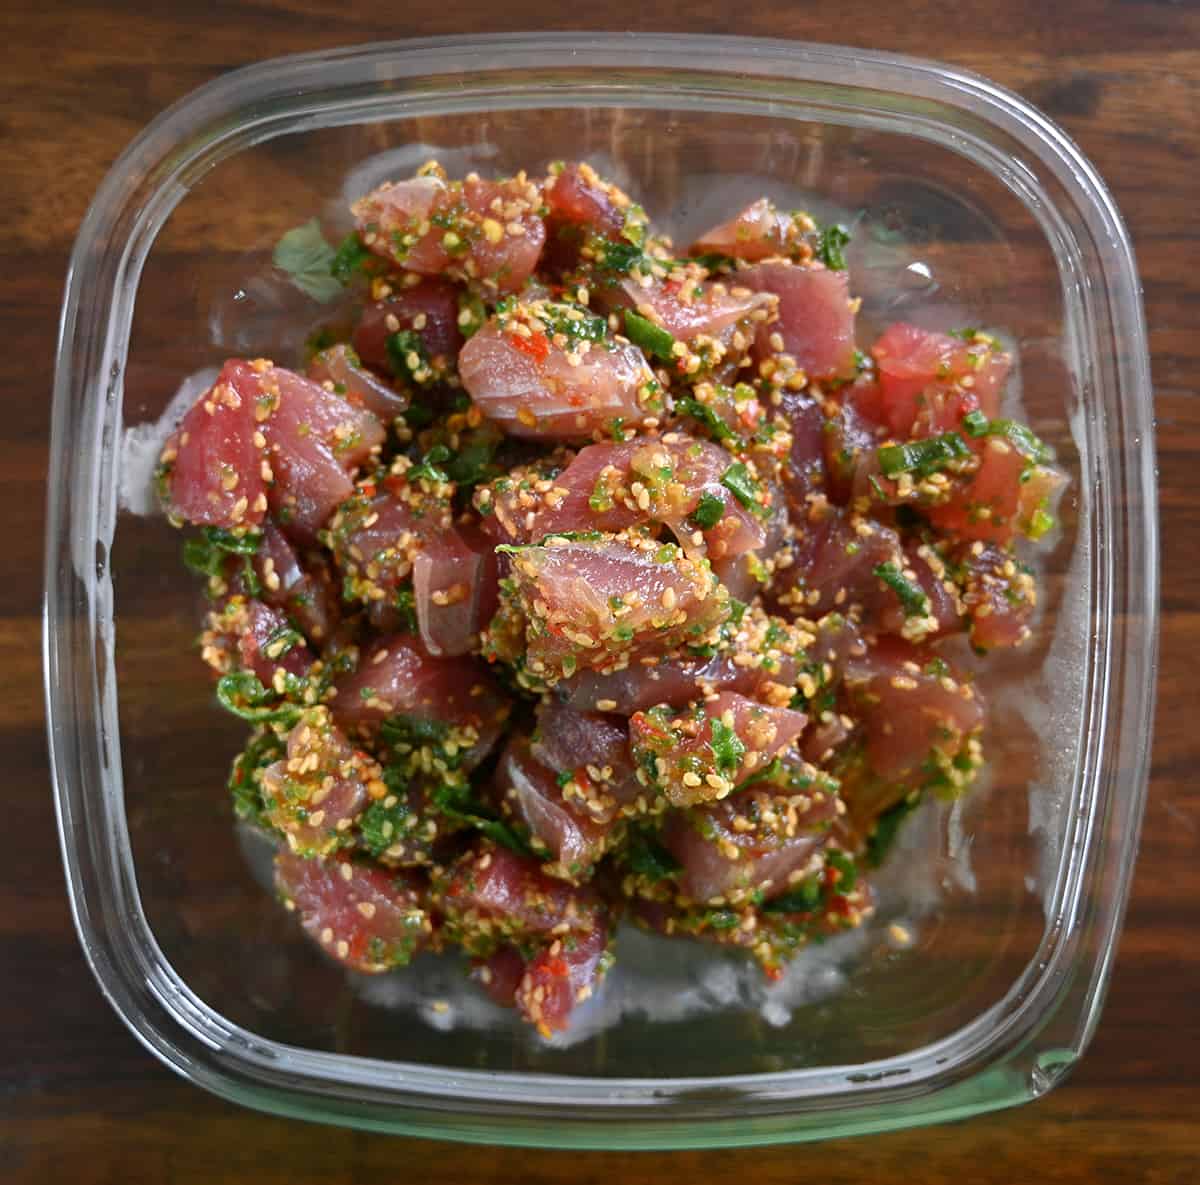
83, 1102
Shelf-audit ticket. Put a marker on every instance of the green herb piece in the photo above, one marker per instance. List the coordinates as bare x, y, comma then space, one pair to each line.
709, 511
633, 229
847, 872
381, 826
765, 773
1018, 435
912, 600
456, 802
405, 602
804, 898
722, 919
1040, 522
471, 314
976, 423
408, 356
412, 731
621, 258
831, 244
246, 543
282, 641
737, 610
701, 412
712, 260
427, 469
600, 500
319, 342
727, 747
349, 258
307, 258
1022, 439
241, 693
264, 748
738, 480
205, 554
589, 536
653, 339
646, 857
417, 416
574, 322
474, 462
922, 457
887, 827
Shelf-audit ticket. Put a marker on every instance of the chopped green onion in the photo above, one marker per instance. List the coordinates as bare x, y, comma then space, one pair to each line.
913, 601
1018, 435
1022, 439
653, 339
922, 457
718, 429
976, 423
1039, 523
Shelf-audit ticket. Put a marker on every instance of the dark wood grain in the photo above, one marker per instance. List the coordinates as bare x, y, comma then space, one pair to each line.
80, 1101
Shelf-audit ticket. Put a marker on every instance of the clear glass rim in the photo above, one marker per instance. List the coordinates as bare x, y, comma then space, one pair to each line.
291, 93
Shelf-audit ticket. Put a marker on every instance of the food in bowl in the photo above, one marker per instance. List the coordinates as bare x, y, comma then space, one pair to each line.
573, 579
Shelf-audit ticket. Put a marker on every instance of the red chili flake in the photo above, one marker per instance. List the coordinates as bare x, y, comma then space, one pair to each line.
773, 973
751, 414
556, 967
537, 347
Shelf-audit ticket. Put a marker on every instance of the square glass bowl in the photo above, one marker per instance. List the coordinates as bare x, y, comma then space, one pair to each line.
967, 207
